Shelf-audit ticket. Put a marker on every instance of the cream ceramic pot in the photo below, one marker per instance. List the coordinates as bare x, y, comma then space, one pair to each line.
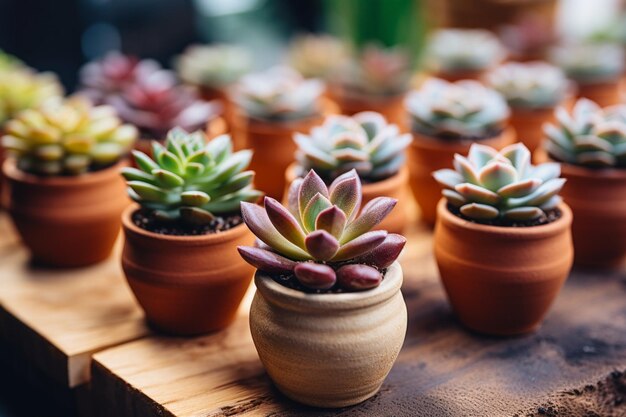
328, 350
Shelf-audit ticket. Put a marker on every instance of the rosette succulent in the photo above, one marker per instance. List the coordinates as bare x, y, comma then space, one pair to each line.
317, 56
191, 180
213, 66
365, 142
529, 85
377, 71
279, 93
321, 238
67, 137
462, 110
490, 185
460, 50
589, 136
590, 63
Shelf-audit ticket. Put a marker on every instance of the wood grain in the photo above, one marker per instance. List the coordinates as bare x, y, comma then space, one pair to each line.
443, 370
58, 318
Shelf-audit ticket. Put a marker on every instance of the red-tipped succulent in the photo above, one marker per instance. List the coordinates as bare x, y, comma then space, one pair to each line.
321, 238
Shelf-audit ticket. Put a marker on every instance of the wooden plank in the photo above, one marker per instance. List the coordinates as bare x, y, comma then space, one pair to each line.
442, 370
57, 319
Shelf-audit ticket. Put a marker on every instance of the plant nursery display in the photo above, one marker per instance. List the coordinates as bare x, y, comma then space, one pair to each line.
446, 119
272, 106
180, 253
375, 79
317, 56
597, 69
328, 318
364, 142
66, 159
149, 97
590, 144
533, 90
458, 54
502, 241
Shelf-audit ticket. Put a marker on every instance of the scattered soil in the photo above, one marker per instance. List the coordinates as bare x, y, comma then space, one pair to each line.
147, 220
607, 398
290, 281
549, 217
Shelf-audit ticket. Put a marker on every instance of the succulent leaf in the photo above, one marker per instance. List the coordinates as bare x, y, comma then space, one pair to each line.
358, 277
316, 276
321, 245
266, 260
383, 255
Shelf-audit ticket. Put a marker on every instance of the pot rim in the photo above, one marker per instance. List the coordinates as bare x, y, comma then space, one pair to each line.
10, 170
241, 117
298, 300
433, 143
341, 93
531, 232
603, 174
188, 240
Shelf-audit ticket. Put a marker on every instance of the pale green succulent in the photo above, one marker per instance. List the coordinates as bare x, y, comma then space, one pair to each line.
317, 56
9, 62
458, 50
279, 93
589, 136
214, 66
191, 180
67, 137
465, 109
590, 63
489, 184
365, 142
22, 88
529, 85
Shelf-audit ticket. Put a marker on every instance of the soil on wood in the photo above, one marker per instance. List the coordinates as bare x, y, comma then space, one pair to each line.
607, 398
548, 217
147, 220
290, 281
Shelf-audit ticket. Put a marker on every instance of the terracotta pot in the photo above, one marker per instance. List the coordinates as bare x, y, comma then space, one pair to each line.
66, 221
328, 350
273, 147
455, 76
391, 107
427, 154
394, 187
502, 280
598, 200
186, 285
605, 93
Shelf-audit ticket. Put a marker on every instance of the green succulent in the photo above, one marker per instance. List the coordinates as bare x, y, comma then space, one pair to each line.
67, 137
458, 50
489, 184
317, 56
529, 85
589, 136
464, 109
9, 62
22, 88
365, 142
214, 66
590, 62
191, 180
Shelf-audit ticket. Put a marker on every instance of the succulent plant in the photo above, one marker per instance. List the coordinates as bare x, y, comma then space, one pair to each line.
590, 63
464, 109
321, 237
112, 73
531, 85
279, 93
22, 88
459, 50
317, 56
491, 185
67, 137
214, 66
377, 71
589, 136
9, 62
191, 180
365, 142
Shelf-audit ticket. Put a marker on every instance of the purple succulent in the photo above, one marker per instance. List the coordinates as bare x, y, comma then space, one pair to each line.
322, 237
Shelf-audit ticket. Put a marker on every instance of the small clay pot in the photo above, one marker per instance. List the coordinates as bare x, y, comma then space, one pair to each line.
186, 285
428, 154
391, 107
605, 93
502, 280
328, 350
273, 148
66, 221
598, 200
394, 187
454, 76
